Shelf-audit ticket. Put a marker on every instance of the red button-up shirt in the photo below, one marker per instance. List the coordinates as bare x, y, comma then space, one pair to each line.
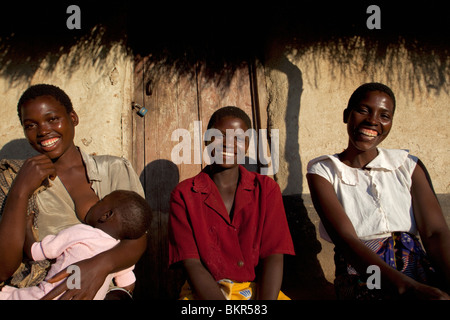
200, 227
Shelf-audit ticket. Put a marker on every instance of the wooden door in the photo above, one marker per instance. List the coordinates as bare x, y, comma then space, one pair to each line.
175, 100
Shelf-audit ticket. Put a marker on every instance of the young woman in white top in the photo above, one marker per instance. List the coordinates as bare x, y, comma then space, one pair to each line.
373, 202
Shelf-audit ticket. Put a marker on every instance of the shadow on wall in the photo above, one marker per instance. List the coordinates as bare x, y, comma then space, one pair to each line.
18, 149
154, 279
303, 277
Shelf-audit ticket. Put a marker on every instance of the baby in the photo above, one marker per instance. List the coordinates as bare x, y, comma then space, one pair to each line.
118, 216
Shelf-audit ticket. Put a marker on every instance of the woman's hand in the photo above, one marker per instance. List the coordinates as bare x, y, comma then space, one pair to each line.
94, 271
201, 281
417, 290
92, 276
33, 173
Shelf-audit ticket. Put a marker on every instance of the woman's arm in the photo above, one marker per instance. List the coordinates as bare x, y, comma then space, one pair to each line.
14, 216
271, 277
431, 223
343, 234
29, 237
12, 234
94, 271
201, 281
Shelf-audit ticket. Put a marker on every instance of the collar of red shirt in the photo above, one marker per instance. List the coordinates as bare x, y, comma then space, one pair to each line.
203, 183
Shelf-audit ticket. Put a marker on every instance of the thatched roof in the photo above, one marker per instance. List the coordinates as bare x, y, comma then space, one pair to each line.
219, 34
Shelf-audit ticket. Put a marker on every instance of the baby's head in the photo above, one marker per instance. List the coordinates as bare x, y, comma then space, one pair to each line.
121, 214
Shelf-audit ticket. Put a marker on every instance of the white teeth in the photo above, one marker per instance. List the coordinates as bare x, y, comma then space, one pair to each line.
370, 133
49, 142
227, 154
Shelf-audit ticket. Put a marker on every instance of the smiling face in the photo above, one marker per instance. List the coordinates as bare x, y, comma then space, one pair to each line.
47, 126
230, 147
370, 121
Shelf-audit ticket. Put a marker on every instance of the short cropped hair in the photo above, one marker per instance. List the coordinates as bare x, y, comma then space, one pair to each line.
40, 90
229, 111
362, 90
135, 215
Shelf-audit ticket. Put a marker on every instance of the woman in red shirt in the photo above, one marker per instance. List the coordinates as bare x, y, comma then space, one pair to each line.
226, 221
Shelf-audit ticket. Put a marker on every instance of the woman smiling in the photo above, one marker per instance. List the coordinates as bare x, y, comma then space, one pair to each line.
60, 185
374, 203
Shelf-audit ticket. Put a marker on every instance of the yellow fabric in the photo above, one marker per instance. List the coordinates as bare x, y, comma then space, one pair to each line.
231, 290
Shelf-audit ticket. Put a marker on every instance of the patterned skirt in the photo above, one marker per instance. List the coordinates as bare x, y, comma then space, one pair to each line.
401, 251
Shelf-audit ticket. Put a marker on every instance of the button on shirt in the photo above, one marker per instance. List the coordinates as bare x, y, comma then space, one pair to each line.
200, 227
378, 200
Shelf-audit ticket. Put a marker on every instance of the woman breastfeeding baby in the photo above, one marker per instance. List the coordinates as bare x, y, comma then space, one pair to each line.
58, 187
